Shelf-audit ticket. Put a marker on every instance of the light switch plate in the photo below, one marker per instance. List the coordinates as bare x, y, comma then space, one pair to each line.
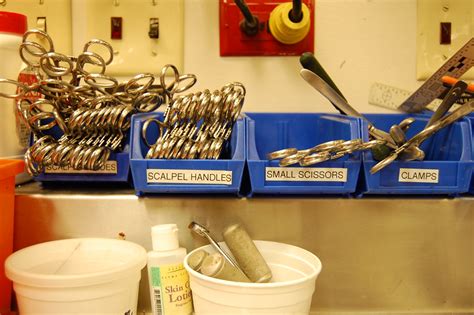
58, 19
136, 52
431, 55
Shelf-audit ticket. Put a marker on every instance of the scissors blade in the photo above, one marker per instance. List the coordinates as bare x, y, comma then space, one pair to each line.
341, 104
327, 91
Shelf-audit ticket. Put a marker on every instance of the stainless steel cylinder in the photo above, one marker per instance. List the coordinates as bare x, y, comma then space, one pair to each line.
216, 266
246, 253
196, 259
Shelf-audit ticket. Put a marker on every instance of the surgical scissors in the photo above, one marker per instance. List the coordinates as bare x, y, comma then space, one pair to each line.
45, 60
91, 109
327, 91
416, 140
330, 150
197, 124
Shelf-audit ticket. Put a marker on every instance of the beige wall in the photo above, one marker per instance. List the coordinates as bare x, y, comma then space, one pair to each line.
359, 42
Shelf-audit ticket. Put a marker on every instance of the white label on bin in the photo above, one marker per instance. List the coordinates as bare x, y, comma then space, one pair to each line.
175, 176
304, 174
110, 167
415, 175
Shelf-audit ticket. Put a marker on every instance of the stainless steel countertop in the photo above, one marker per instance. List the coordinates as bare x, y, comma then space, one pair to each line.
385, 255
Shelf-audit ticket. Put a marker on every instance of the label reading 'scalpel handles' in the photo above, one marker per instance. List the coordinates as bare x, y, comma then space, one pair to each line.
180, 176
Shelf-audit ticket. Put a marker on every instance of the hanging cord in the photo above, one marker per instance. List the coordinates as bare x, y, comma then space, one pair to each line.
296, 14
250, 23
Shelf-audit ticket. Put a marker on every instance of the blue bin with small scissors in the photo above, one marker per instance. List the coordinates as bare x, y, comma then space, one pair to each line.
269, 132
186, 176
445, 170
116, 169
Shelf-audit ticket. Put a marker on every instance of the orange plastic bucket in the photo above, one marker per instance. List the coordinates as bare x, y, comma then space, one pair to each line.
8, 170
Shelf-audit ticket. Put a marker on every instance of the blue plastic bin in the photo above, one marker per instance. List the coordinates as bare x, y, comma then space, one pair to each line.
268, 132
117, 168
471, 120
446, 169
186, 176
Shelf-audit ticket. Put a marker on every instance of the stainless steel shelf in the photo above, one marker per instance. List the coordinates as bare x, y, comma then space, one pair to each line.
379, 254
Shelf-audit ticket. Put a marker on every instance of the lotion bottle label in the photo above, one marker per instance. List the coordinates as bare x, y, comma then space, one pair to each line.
171, 289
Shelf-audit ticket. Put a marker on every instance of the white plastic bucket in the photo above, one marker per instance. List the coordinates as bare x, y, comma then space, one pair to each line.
290, 292
77, 276
12, 27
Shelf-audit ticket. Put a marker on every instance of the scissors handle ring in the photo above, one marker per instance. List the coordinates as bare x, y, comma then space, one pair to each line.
133, 86
102, 43
41, 34
145, 127
170, 89
49, 63
106, 81
92, 58
183, 78
21, 90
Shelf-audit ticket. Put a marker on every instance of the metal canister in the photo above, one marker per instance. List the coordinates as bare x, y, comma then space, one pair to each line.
216, 266
196, 259
246, 253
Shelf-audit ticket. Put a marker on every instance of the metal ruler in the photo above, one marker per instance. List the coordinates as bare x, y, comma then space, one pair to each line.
391, 97
455, 67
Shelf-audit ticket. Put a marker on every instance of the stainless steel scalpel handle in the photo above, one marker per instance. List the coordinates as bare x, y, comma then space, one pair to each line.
340, 103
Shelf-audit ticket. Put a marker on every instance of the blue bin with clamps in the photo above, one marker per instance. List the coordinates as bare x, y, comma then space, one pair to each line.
116, 169
186, 176
269, 132
445, 170
471, 119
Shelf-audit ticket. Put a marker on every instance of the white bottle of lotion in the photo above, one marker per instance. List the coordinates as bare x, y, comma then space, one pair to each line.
170, 293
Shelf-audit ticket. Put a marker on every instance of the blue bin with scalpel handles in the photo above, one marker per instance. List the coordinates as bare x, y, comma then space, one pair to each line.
185, 176
445, 170
269, 132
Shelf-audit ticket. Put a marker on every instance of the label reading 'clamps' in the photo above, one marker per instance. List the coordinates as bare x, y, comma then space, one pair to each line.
179, 176
110, 167
415, 175
304, 174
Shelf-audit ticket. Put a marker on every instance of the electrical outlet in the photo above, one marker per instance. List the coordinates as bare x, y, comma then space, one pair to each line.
55, 15
233, 42
431, 52
147, 34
